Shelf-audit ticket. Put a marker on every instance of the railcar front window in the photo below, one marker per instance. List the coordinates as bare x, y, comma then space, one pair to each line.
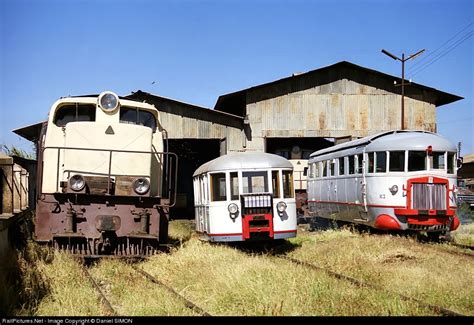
451, 157
381, 162
416, 161
397, 161
74, 112
437, 160
137, 116
254, 182
287, 184
218, 192
276, 183
234, 186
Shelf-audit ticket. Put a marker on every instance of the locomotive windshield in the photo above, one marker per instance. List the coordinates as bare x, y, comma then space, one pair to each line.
74, 112
137, 116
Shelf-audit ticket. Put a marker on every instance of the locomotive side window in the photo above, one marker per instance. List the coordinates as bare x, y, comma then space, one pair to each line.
397, 161
218, 192
137, 116
451, 157
74, 112
234, 186
341, 166
276, 183
287, 184
416, 160
381, 162
351, 160
254, 182
437, 160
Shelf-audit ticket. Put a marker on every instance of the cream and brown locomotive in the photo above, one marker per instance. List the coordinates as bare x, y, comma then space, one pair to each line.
105, 182
399, 180
245, 196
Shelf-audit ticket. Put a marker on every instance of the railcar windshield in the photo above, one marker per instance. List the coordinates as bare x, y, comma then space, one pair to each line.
416, 161
437, 160
137, 116
255, 182
74, 112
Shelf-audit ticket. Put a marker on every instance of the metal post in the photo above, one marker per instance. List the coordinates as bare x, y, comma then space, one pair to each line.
402, 124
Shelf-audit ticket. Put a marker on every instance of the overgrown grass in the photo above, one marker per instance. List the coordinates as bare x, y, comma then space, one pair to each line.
465, 234
238, 280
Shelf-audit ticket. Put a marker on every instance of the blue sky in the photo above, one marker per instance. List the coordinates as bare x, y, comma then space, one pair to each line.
195, 51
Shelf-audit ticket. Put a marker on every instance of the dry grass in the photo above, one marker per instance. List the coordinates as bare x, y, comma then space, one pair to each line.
465, 234
236, 280
430, 273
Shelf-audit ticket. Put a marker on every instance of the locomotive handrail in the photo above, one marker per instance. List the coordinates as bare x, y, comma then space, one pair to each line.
171, 187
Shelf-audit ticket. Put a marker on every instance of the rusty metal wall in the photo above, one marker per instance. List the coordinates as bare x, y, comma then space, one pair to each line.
182, 127
337, 109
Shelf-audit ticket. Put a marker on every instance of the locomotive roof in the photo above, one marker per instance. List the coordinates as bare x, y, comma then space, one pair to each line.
394, 140
244, 160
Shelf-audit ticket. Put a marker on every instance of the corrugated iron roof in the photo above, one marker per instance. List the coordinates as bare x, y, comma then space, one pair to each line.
235, 102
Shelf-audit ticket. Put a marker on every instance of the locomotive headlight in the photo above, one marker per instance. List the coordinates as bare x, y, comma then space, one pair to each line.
281, 207
141, 185
233, 208
77, 182
108, 101
393, 189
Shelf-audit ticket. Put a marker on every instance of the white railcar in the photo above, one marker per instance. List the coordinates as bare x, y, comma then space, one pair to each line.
245, 196
399, 180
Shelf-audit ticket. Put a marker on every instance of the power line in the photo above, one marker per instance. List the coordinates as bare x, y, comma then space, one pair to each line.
424, 59
442, 54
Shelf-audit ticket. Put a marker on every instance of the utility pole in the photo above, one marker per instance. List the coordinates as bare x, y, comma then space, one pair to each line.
403, 59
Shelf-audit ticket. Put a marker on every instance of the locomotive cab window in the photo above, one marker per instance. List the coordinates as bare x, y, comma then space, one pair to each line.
218, 192
416, 161
254, 182
132, 115
74, 112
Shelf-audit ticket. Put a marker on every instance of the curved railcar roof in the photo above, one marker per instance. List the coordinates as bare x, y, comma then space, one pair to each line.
244, 160
394, 140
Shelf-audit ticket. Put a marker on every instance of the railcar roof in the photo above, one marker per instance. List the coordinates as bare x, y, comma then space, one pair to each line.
394, 140
244, 160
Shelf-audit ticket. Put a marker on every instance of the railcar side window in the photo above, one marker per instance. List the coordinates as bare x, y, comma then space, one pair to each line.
287, 184
381, 162
351, 165
234, 186
437, 160
316, 169
74, 112
451, 157
341, 166
416, 160
218, 192
276, 183
132, 115
332, 167
325, 169
254, 182
397, 161
359, 163
371, 160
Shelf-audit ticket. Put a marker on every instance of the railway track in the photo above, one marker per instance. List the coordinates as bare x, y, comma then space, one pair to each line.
110, 311
437, 309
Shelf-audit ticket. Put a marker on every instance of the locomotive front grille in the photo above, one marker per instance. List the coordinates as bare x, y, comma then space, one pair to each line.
429, 196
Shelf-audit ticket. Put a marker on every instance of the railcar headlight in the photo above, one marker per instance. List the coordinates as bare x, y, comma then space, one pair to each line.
108, 101
77, 182
141, 185
393, 189
233, 208
281, 207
